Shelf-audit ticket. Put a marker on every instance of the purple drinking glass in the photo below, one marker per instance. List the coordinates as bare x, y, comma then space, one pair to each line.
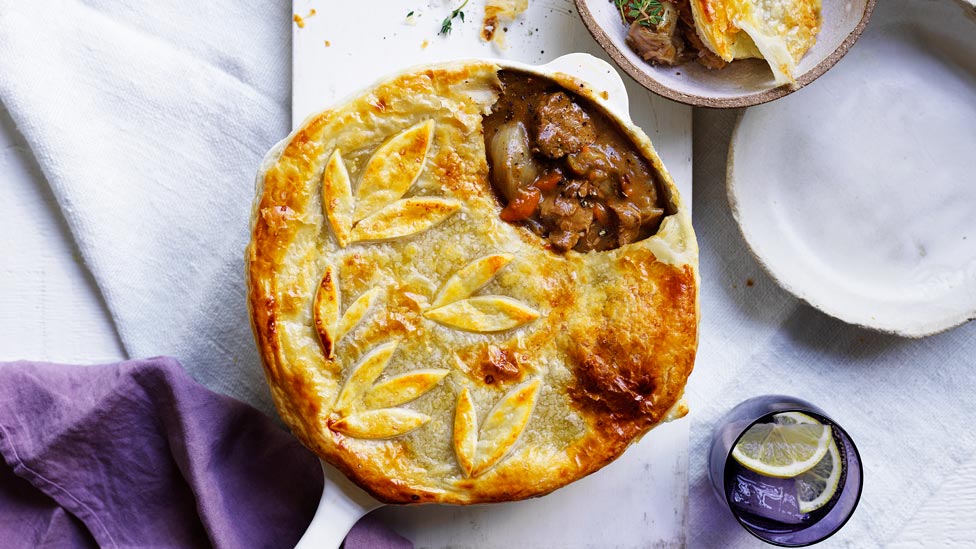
769, 508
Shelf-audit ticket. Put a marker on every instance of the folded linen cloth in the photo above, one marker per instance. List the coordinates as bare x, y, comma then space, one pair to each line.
137, 454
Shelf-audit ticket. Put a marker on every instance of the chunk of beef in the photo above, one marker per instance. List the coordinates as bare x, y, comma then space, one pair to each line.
705, 57
655, 46
566, 216
659, 44
685, 16
599, 238
563, 240
562, 126
644, 197
594, 162
628, 221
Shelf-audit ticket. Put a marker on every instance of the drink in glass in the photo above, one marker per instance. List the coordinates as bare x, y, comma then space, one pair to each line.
787, 472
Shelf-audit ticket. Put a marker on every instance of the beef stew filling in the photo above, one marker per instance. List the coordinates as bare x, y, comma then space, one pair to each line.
565, 170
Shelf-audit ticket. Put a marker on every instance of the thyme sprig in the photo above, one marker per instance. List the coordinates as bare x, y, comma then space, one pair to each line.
647, 13
448, 21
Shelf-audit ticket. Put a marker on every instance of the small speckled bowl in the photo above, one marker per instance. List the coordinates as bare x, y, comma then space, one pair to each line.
741, 84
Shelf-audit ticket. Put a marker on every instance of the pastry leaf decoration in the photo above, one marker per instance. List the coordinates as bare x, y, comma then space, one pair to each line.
393, 168
378, 211
478, 451
489, 313
470, 279
356, 312
404, 217
465, 432
380, 423
454, 307
329, 322
403, 388
360, 392
363, 376
337, 198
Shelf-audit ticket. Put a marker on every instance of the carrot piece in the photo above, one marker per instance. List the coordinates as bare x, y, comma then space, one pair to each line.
524, 204
548, 180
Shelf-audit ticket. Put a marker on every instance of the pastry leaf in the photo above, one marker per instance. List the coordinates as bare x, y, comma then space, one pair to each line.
337, 203
393, 168
363, 376
356, 312
404, 217
504, 424
490, 313
326, 311
386, 423
471, 278
403, 388
465, 432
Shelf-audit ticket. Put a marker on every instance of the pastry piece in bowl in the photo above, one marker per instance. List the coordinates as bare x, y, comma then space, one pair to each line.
725, 53
779, 31
472, 283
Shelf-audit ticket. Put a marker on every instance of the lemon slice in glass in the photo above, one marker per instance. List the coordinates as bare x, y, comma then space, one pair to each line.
783, 450
815, 487
792, 418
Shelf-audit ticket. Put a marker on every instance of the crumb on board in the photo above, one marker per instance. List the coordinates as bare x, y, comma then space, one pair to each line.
300, 21
328, 43
497, 11
749, 282
424, 44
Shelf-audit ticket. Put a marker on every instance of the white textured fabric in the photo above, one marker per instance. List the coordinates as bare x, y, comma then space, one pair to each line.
149, 120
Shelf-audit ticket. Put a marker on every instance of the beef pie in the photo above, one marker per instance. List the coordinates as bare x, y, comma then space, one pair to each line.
471, 284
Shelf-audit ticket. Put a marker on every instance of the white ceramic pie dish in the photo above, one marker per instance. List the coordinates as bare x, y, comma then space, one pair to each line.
744, 82
859, 195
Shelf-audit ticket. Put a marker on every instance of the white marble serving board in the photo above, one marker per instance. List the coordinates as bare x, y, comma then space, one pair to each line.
641, 499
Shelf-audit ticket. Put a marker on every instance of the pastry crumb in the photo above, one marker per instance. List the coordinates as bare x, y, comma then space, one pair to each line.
300, 21
327, 43
496, 13
424, 44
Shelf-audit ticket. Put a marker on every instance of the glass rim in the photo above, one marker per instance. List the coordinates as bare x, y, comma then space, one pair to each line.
847, 437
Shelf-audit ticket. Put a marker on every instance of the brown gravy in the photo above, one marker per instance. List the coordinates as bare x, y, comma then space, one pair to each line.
565, 170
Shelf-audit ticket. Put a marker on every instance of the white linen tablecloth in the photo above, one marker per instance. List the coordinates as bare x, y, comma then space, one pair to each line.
149, 120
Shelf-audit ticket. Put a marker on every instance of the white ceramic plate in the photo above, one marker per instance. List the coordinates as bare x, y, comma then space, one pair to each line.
859, 194
742, 83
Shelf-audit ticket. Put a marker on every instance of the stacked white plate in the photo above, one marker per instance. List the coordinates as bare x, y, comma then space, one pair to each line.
858, 193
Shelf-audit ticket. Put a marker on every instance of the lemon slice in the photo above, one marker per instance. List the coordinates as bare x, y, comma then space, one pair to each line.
815, 487
792, 418
783, 451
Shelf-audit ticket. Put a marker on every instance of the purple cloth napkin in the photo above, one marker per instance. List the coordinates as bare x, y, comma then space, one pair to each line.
137, 454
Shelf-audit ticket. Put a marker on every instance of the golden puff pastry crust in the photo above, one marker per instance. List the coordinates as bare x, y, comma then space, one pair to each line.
432, 351
779, 31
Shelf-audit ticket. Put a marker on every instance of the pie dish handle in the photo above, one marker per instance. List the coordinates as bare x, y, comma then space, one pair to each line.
342, 504
595, 71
